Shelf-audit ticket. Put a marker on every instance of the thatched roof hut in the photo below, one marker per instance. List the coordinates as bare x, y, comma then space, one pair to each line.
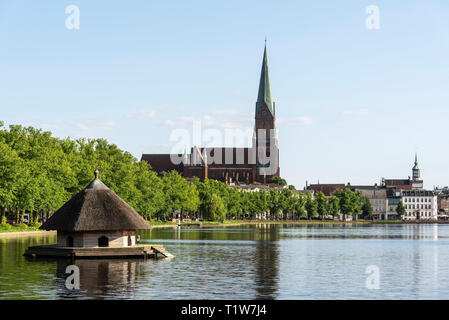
95, 212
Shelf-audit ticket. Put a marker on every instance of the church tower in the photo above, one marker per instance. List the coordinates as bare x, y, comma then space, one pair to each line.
417, 182
415, 171
267, 152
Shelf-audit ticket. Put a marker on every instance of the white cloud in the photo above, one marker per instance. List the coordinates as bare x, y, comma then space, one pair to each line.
142, 113
219, 119
95, 125
303, 120
355, 113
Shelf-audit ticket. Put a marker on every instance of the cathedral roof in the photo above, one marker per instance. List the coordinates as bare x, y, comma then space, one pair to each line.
264, 95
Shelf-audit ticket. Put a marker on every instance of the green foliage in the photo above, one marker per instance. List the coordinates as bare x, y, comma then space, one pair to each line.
350, 202
4, 226
179, 194
35, 224
277, 180
322, 204
367, 209
333, 205
39, 173
215, 208
21, 226
311, 208
400, 210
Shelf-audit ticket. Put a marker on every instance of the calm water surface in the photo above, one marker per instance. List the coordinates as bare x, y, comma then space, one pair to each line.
248, 262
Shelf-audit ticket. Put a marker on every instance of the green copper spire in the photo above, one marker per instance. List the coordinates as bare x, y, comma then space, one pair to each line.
264, 96
415, 167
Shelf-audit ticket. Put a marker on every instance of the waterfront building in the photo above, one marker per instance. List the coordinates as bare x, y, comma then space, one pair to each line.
414, 183
378, 200
419, 204
393, 199
443, 201
256, 164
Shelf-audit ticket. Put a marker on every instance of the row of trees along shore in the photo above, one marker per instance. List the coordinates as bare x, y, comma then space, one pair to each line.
39, 173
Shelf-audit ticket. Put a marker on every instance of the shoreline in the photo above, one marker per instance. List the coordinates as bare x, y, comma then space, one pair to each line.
228, 223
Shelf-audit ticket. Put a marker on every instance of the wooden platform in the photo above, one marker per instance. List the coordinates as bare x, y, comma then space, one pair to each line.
137, 251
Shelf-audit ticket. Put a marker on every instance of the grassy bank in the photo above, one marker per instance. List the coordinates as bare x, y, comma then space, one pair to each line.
17, 228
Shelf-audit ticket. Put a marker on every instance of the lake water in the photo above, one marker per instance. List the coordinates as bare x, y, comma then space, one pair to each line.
249, 262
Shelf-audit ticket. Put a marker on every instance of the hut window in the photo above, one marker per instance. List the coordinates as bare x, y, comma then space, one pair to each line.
130, 241
69, 241
103, 241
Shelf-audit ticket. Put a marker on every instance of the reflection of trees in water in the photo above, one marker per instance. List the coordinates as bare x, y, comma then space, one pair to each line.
267, 261
266, 255
100, 278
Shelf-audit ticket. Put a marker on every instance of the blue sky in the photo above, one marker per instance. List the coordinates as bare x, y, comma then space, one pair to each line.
352, 104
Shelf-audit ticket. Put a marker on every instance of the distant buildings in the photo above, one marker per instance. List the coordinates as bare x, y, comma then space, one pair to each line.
384, 199
419, 204
443, 201
416, 183
327, 189
378, 199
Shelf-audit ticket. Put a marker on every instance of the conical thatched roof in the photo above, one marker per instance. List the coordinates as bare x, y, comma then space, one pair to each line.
95, 208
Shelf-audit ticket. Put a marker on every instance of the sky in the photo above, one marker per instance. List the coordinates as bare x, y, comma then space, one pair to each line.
353, 104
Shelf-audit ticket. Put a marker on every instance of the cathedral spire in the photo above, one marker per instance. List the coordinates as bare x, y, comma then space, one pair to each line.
264, 95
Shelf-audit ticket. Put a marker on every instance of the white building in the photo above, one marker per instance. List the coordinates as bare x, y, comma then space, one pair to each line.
419, 205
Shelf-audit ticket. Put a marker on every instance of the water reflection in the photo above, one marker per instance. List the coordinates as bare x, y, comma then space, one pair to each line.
326, 261
100, 279
266, 258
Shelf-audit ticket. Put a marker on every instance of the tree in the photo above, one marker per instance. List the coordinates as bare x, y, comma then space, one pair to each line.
349, 201
274, 202
10, 169
333, 205
179, 194
277, 180
367, 209
322, 204
215, 208
286, 202
299, 206
311, 208
234, 203
150, 197
400, 210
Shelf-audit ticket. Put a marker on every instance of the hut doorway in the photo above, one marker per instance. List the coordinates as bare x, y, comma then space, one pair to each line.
103, 241
130, 241
69, 241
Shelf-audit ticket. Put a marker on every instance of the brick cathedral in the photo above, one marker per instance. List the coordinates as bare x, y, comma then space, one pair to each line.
256, 164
